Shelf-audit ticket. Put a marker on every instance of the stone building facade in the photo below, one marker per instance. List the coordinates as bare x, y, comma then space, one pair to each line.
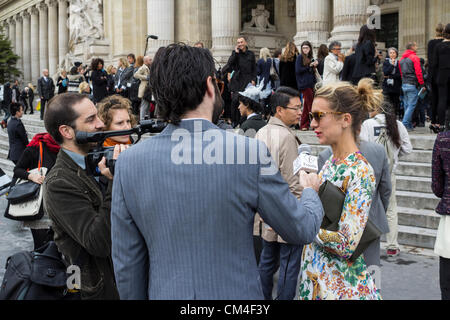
54, 33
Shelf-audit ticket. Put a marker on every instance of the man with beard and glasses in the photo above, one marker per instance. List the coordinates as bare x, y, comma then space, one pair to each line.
190, 235
77, 203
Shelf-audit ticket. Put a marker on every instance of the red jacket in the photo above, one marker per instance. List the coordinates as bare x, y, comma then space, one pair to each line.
411, 67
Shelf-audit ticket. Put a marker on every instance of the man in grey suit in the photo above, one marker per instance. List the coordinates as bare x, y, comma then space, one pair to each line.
377, 158
184, 201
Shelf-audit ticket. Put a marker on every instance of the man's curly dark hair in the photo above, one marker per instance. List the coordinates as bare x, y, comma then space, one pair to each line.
178, 79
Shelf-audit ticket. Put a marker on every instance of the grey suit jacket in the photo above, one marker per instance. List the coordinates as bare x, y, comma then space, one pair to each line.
376, 156
184, 231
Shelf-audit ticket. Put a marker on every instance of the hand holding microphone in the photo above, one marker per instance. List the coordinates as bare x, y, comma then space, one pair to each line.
307, 165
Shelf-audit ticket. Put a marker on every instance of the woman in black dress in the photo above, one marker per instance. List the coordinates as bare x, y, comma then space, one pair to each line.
99, 79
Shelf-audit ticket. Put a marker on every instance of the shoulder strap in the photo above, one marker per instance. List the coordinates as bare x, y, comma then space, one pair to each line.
40, 156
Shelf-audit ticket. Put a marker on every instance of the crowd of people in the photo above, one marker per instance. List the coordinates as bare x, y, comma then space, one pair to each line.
154, 226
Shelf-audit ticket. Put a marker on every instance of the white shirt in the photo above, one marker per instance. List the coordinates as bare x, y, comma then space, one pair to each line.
370, 130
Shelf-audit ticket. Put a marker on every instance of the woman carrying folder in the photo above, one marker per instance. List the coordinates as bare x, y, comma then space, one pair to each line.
326, 270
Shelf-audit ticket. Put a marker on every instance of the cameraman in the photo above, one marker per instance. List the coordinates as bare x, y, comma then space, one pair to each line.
77, 204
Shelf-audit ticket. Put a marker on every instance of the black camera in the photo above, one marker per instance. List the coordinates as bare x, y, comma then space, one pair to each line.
97, 154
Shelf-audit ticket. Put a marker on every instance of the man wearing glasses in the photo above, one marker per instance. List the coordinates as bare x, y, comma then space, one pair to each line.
334, 63
283, 144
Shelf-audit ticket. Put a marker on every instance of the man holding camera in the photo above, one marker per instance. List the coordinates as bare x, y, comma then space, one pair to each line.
190, 237
78, 205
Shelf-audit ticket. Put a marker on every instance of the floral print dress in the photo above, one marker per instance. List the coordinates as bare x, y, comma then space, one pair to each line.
326, 273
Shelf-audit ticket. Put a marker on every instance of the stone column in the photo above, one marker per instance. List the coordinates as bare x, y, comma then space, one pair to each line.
19, 41
349, 17
225, 27
161, 22
193, 22
413, 22
63, 30
313, 22
35, 70
52, 36
12, 33
43, 37
26, 47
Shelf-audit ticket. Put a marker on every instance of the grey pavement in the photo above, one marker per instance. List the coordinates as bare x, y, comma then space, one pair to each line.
413, 275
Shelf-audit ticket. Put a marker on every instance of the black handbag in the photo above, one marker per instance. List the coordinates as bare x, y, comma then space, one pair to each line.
23, 192
333, 198
37, 275
25, 198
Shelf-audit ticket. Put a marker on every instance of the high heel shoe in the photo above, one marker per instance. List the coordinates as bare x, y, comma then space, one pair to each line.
434, 128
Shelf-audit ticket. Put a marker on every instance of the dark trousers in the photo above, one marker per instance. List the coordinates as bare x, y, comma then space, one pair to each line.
444, 277
25, 105
289, 257
43, 104
434, 101
443, 104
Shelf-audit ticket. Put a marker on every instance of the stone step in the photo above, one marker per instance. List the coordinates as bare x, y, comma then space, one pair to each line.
414, 169
416, 236
7, 166
422, 156
418, 218
416, 200
423, 142
414, 184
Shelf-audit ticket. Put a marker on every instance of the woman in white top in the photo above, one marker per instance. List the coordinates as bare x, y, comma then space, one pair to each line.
384, 128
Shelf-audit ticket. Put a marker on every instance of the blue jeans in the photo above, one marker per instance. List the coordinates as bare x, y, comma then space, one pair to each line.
410, 99
288, 255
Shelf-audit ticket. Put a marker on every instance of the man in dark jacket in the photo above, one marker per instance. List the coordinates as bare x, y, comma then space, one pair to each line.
83, 228
7, 99
242, 71
17, 134
46, 90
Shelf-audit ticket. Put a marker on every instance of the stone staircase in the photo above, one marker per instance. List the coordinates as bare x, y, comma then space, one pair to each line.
416, 203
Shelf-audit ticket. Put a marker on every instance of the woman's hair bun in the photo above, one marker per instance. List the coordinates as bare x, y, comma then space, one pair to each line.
371, 98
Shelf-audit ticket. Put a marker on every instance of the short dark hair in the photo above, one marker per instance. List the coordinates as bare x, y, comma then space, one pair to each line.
446, 33
179, 73
14, 108
132, 56
277, 53
60, 111
281, 98
249, 103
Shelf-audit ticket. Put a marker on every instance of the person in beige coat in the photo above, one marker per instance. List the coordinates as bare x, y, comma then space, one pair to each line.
143, 74
283, 145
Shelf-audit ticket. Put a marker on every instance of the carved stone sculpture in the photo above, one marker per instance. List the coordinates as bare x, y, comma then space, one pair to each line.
85, 20
260, 20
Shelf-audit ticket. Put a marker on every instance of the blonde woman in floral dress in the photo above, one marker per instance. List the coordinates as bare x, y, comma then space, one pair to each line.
326, 272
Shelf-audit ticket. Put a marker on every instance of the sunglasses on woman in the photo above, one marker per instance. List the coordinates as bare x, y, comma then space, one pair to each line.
319, 115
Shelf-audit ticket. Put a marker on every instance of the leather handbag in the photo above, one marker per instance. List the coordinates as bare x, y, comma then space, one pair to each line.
25, 197
333, 198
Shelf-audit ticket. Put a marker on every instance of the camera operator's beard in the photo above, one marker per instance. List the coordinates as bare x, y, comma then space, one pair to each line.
218, 105
85, 148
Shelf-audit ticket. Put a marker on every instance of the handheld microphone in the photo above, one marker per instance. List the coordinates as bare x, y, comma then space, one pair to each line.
152, 37
305, 161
